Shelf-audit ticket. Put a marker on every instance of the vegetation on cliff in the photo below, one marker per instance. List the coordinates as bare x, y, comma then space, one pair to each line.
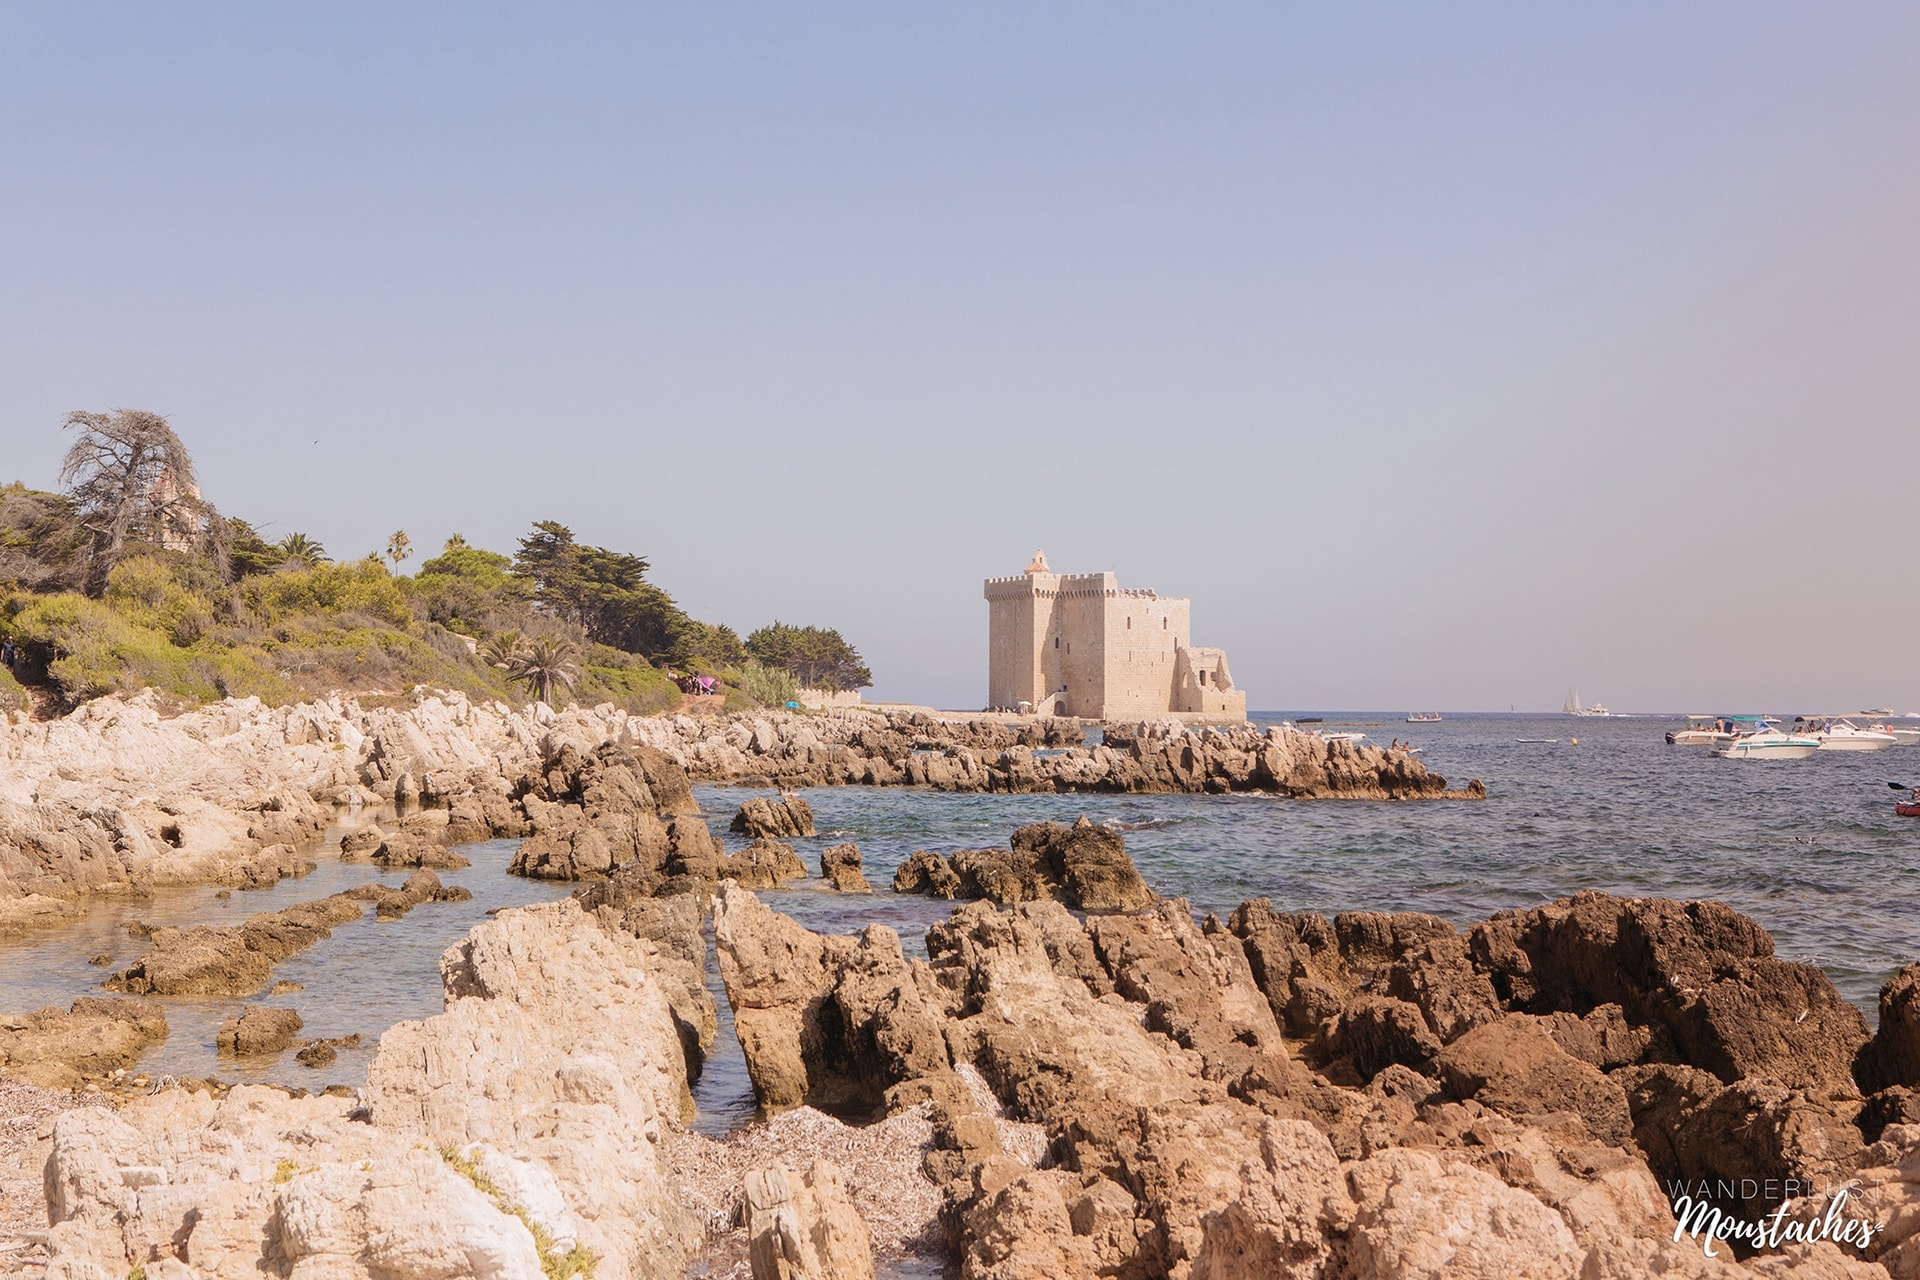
128, 578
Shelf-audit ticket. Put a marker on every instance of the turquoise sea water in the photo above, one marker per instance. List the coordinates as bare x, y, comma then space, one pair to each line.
1810, 848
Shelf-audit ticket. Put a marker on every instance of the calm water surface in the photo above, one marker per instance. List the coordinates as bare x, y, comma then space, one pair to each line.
1810, 848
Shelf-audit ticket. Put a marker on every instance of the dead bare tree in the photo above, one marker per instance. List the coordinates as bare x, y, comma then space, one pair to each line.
131, 480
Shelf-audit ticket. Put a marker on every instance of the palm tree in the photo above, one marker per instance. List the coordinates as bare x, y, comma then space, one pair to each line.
501, 649
298, 546
544, 664
399, 547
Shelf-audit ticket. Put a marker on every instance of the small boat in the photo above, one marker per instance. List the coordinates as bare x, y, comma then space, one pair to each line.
1424, 717
1575, 708
1537, 741
1311, 720
1768, 743
1341, 735
1902, 736
1702, 731
1840, 735
1907, 810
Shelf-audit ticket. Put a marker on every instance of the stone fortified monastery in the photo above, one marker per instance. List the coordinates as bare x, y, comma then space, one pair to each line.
1080, 644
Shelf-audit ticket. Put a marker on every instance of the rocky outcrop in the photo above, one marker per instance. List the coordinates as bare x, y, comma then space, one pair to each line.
118, 795
805, 1228
593, 811
830, 1022
673, 925
207, 960
1892, 1058
57, 1048
764, 864
558, 1050
840, 866
258, 1180
258, 1029
1432, 1124
321, 1053
1083, 865
787, 818
1701, 975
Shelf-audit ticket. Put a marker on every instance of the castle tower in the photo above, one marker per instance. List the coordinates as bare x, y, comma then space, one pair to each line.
1082, 645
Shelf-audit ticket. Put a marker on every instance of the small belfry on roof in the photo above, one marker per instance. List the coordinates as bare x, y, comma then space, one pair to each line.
1039, 564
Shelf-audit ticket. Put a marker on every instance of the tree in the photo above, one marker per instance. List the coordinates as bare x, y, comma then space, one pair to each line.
816, 656
299, 547
131, 480
544, 664
604, 593
399, 547
500, 650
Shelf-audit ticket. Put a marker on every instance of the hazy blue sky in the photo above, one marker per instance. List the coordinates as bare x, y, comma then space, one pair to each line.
1445, 355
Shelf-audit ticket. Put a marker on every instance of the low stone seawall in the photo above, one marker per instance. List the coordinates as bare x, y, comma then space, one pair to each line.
118, 797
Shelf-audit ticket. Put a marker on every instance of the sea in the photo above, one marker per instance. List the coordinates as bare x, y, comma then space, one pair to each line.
1811, 849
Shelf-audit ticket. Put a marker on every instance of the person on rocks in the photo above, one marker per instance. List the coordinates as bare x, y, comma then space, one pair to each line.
8, 653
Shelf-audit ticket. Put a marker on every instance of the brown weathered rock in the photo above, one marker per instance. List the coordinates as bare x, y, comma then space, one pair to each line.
805, 1228
832, 1022
258, 1030
787, 818
764, 864
926, 872
1082, 865
1756, 1135
1515, 1066
320, 1053
840, 864
1701, 972
205, 960
1197, 989
1892, 1057
408, 849
1090, 864
1416, 1214
54, 1047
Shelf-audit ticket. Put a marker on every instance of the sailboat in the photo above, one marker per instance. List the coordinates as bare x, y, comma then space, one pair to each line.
1574, 707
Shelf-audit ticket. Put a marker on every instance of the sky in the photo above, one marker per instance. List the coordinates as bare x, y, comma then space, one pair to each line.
1446, 356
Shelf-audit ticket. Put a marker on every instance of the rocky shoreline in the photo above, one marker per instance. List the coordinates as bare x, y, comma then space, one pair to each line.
117, 798
1124, 1093
1078, 1081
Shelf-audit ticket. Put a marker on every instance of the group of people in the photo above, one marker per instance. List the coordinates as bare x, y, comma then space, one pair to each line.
698, 686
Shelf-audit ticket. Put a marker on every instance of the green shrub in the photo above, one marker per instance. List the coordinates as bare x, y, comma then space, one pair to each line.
13, 695
768, 686
363, 588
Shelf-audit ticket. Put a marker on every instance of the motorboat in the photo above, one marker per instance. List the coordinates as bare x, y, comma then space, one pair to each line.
1424, 717
1703, 731
1341, 735
1575, 707
1841, 735
1902, 735
1767, 743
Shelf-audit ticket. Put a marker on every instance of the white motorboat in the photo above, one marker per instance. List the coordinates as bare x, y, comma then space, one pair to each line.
1703, 731
1341, 735
1424, 717
1841, 735
1768, 743
1902, 735
1574, 707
